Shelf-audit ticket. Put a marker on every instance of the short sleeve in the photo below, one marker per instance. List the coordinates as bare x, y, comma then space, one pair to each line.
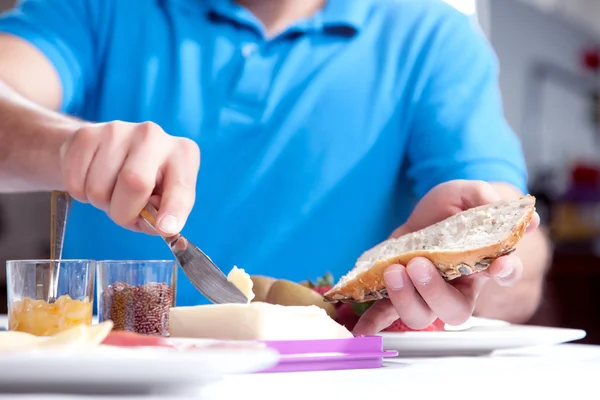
63, 30
458, 129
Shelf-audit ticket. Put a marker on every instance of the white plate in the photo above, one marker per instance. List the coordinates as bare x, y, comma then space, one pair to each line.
477, 337
107, 370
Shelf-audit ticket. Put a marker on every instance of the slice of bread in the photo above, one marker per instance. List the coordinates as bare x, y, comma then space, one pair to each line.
463, 244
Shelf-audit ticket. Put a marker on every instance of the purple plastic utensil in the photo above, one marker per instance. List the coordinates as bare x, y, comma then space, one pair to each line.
334, 354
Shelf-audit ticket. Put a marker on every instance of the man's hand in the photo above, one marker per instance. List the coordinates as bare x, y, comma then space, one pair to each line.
417, 292
118, 167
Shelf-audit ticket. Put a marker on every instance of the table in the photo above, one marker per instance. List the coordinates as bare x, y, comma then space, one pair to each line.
563, 370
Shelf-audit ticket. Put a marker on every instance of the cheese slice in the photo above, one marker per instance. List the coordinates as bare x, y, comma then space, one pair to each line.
254, 321
242, 281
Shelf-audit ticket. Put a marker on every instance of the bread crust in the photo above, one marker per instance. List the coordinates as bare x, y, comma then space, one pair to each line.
369, 285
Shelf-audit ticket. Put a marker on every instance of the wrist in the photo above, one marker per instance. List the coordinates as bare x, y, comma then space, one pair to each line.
34, 161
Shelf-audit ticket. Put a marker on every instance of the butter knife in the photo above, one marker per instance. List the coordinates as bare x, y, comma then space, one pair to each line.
47, 277
198, 267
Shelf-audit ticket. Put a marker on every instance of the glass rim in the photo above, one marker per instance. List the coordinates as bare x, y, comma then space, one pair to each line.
136, 261
49, 260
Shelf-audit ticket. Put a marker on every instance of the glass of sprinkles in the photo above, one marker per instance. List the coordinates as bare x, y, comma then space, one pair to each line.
137, 295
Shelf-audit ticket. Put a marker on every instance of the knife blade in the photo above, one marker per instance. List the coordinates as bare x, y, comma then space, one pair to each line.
202, 272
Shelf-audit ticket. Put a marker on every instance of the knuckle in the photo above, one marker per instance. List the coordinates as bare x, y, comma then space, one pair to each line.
98, 195
118, 217
74, 187
84, 135
402, 301
113, 130
148, 130
136, 182
179, 202
189, 149
184, 201
434, 295
483, 186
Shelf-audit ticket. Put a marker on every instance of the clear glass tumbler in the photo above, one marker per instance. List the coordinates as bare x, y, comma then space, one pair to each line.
46, 297
137, 295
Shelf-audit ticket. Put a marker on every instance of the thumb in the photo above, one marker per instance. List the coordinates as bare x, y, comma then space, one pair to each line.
478, 193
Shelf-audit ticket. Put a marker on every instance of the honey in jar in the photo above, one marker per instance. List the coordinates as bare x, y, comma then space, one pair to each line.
41, 318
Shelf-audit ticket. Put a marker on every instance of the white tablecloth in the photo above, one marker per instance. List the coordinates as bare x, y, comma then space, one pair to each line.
565, 370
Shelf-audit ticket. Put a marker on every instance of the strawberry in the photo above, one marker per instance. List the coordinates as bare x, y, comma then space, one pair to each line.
348, 314
399, 326
323, 284
322, 289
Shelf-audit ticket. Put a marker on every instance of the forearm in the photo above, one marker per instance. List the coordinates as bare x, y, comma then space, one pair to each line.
30, 138
517, 304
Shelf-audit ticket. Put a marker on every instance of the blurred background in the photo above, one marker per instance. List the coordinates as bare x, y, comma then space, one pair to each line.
549, 53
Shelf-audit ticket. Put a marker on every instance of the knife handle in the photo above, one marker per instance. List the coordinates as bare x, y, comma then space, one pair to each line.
149, 214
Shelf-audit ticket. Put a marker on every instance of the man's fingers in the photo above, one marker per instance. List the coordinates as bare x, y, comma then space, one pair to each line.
535, 222
446, 301
478, 193
136, 180
377, 317
178, 188
409, 304
102, 174
141, 225
506, 271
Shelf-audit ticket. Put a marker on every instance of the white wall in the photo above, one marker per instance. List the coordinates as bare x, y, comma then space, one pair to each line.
522, 36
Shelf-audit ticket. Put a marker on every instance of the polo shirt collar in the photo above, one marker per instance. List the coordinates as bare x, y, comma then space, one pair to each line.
351, 14
232, 10
346, 13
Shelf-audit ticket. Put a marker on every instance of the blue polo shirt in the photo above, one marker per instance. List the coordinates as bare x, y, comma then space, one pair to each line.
315, 143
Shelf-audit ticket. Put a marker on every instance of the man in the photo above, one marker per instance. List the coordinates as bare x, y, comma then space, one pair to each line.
321, 124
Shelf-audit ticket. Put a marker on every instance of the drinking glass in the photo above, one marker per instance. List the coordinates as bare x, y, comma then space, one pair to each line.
46, 297
137, 295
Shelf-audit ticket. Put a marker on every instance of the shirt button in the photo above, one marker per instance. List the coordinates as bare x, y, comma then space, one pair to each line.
249, 49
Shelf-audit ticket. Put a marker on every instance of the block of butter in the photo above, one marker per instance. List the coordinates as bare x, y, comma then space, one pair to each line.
254, 321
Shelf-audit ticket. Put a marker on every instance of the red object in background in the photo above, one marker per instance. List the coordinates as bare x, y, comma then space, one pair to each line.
585, 174
591, 59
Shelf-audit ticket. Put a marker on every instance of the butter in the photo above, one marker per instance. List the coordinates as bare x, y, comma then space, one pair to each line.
242, 281
254, 321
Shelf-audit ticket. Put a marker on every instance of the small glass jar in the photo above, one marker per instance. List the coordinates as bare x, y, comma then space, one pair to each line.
45, 297
137, 295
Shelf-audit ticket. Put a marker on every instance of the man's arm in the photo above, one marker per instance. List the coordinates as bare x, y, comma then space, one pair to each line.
48, 66
518, 304
460, 132
31, 133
